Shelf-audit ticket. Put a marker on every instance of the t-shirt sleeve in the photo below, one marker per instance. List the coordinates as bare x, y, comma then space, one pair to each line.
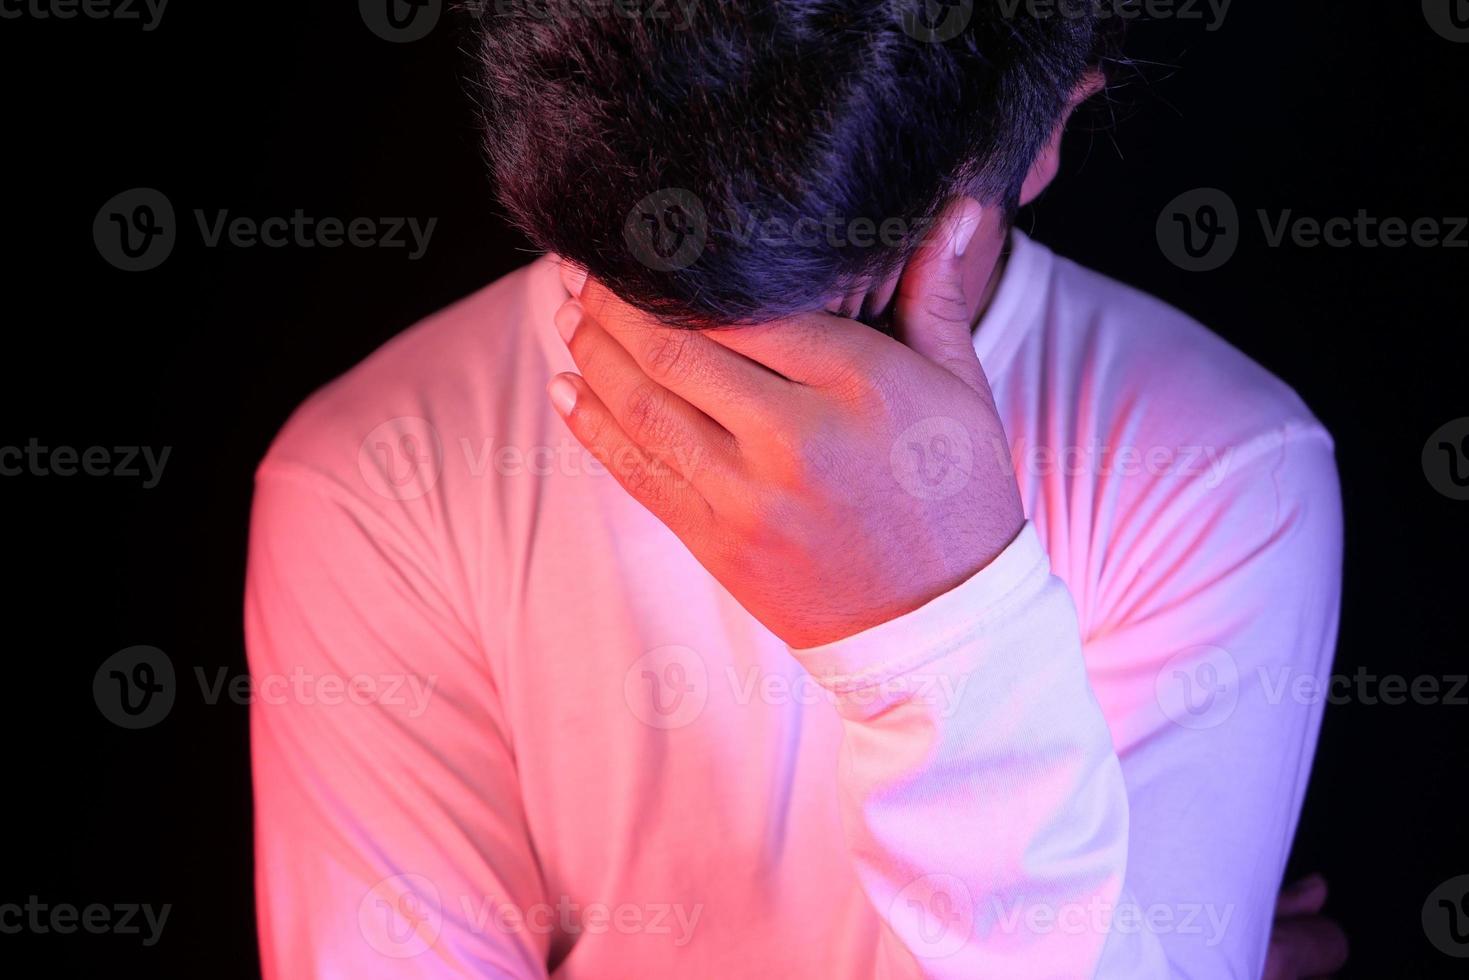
390, 835
1019, 801
1226, 605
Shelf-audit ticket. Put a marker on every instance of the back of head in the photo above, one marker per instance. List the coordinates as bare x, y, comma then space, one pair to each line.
722, 162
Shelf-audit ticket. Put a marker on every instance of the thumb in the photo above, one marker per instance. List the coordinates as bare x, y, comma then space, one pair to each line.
932, 313
573, 276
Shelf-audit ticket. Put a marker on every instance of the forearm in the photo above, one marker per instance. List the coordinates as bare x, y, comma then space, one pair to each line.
982, 803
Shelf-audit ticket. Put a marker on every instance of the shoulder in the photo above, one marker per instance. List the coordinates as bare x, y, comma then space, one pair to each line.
450, 380
1156, 372
388, 470
1155, 456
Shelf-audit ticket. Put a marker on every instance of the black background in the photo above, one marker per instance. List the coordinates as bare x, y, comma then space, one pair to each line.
1323, 109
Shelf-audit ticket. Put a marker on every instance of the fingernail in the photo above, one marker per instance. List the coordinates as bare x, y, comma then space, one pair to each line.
563, 394
966, 226
568, 318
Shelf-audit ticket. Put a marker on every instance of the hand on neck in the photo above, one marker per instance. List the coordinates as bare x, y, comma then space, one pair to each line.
984, 265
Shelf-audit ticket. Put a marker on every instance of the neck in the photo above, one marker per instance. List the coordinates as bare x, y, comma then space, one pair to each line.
991, 286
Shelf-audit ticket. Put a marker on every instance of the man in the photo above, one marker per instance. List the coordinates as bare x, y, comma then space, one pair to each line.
910, 605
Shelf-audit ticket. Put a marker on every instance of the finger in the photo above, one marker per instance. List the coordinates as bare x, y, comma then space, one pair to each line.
741, 396
1309, 946
661, 423
875, 310
573, 276
668, 495
810, 349
815, 349
849, 305
933, 314
1304, 897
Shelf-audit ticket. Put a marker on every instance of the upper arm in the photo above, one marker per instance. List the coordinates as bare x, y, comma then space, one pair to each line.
390, 837
1212, 664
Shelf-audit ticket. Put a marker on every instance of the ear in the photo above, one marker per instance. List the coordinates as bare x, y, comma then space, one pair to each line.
1044, 169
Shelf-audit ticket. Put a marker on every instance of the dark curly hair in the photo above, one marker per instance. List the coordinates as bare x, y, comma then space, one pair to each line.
678, 148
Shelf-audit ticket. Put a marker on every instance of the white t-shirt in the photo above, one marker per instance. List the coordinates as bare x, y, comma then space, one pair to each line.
507, 724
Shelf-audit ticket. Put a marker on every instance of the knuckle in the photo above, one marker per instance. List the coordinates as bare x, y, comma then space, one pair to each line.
637, 476
871, 386
640, 409
945, 305
647, 416
667, 355
643, 478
